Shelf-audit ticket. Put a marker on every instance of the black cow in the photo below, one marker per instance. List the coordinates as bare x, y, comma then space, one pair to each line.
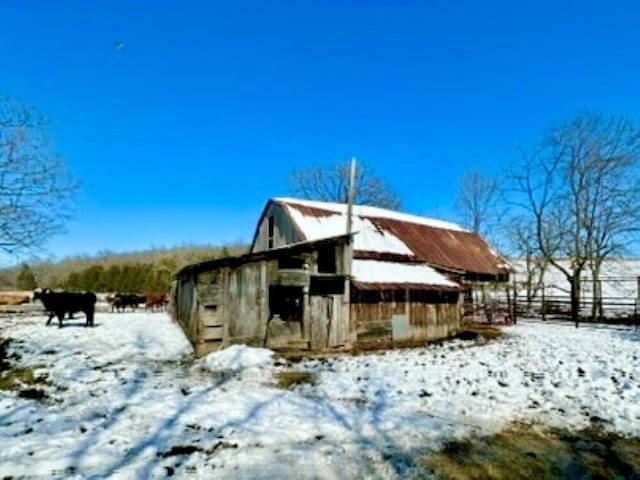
120, 301
60, 303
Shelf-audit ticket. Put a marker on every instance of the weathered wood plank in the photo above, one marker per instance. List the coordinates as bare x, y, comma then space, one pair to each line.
212, 333
297, 278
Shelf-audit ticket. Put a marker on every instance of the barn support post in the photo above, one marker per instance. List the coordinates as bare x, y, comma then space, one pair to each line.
262, 298
486, 303
407, 305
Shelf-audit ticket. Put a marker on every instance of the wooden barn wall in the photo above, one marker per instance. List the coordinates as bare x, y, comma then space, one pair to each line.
231, 305
247, 304
284, 230
184, 310
425, 321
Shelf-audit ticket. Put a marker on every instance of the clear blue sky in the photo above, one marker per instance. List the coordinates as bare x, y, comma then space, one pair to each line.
184, 135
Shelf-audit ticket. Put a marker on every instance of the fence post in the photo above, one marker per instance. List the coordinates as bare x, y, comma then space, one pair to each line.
636, 320
543, 307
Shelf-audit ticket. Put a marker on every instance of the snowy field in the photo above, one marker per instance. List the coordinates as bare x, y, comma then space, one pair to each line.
128, 400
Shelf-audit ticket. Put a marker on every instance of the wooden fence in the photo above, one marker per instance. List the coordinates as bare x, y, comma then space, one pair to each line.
504, 305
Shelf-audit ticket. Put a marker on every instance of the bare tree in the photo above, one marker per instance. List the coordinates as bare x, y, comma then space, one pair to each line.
567, 183
35, 189
331, 183
476, 202
615, 212
523, 246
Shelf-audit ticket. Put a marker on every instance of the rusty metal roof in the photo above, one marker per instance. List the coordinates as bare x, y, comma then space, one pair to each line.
454, 249
431, 242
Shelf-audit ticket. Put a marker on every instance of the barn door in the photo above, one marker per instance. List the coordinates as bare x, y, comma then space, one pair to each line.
322, 321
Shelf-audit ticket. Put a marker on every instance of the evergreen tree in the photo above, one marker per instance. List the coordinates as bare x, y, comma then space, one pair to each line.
73, 282
26, 279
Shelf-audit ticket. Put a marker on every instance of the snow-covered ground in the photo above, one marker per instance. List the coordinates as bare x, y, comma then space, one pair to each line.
129, 401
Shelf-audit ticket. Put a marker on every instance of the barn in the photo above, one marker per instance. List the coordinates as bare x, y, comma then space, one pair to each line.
308, 285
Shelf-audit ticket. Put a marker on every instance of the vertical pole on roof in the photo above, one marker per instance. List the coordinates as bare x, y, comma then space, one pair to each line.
348, 254
352, 178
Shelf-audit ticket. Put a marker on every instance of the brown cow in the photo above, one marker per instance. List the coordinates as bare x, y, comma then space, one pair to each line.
13, 298
156, 299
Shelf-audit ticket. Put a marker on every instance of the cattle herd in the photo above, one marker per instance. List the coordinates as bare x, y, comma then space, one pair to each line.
61, 303
152, 301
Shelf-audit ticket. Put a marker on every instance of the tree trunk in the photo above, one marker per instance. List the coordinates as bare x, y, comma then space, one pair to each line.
600, 302
530, 287
575, 298
514, 305
597, 310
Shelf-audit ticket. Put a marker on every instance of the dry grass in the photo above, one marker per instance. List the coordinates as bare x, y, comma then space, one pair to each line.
25, 382
524, 454
20, 379
291, 378
17, 378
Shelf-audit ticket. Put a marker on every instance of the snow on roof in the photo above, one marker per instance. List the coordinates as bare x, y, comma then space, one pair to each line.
434, 242
367, 211
368, 237
376, 271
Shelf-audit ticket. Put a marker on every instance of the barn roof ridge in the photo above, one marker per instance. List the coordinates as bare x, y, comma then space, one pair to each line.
368, 211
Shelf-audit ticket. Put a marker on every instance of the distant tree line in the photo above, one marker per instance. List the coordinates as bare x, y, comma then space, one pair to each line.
140, 272
130, 277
